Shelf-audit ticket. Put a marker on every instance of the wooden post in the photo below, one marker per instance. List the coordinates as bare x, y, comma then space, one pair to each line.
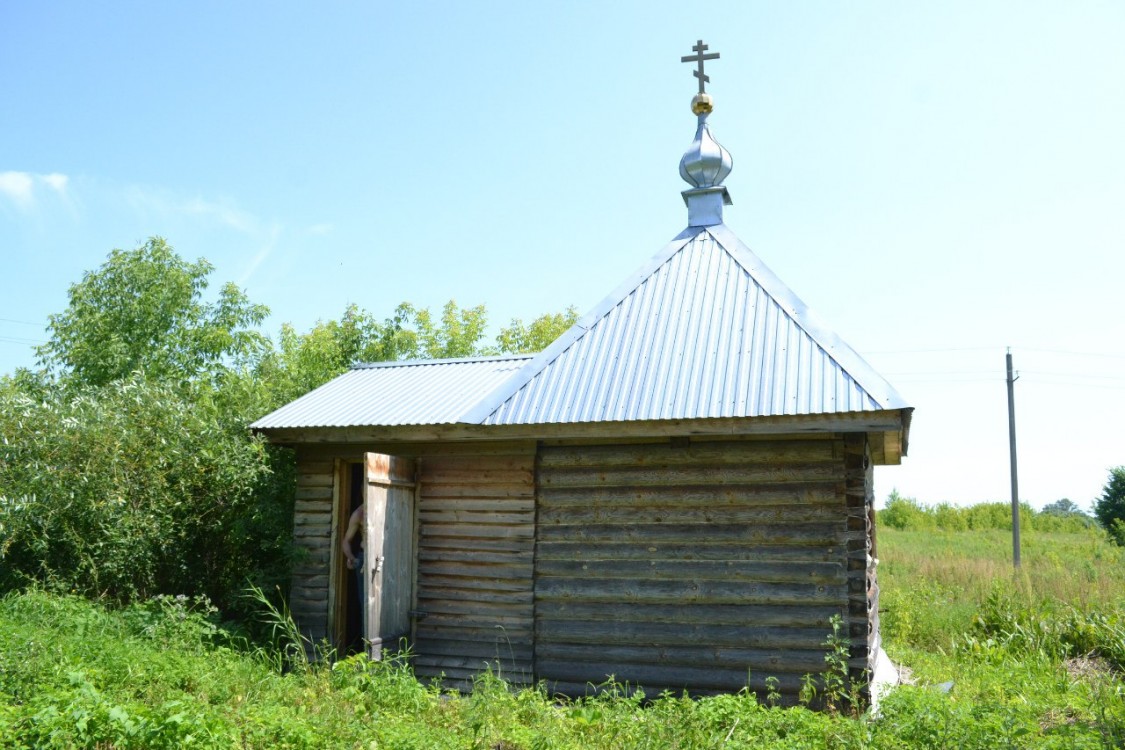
1012, 451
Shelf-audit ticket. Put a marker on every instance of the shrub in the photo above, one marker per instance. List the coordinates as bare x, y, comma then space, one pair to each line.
132, 489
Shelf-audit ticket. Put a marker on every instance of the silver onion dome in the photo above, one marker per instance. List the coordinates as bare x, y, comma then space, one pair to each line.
706, 163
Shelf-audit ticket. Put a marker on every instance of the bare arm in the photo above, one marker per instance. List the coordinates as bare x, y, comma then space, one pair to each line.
355, 525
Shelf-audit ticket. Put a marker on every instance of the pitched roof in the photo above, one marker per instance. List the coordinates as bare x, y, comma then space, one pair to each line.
416, 392
703, 330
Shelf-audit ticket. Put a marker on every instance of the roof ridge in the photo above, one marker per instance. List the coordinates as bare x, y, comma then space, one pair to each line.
840, 351
483, 409
448, 361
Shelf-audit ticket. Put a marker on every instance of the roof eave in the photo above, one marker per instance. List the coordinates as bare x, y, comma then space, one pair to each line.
888, 422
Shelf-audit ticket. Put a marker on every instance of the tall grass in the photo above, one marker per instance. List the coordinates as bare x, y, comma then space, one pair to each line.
1031, 658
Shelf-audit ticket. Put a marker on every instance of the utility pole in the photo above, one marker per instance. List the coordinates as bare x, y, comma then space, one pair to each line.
1012, 450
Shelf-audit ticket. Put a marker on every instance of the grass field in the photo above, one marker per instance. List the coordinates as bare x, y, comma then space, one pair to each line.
1034, 658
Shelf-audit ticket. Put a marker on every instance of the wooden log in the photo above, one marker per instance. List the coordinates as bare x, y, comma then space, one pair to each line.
459, 625
464, 583
694, 454
431, 541
689, 475
495, 649
729, 570
433, 489
453, 516
478, 504
656, 514
474, 594
629, 632
511, 557
623, 594
495, 531
795, 554
761, 615
702, 495
826, 534
500, 574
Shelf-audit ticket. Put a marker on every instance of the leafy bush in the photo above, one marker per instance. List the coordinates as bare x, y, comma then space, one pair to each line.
132, 489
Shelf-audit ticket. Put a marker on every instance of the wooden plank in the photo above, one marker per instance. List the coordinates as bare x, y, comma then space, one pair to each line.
623, 594
515, 557
826, 534
478, 504
513, 489
494, 531
760, 615
773, 453
311, 530
690, 475
481, 544
313, 519
484, 583
471, 572
496, 648
812, 493
734, 550
439, 626
658, 514
626, 632
702, 570
474, 594
452, 516
313, 507
450, 618
479, 473
325, 479
323, 494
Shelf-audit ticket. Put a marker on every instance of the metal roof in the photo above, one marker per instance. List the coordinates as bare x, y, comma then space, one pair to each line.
703, 330
396, 393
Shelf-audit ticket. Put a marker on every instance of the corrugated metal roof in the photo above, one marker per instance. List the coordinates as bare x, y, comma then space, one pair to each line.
396, 393
703, 330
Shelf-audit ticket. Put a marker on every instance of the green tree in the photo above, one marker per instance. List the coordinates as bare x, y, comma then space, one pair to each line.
142, 310
536, 336
1109, 509
1062, 507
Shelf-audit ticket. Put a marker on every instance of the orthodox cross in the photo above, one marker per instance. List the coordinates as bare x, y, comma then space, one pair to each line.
699, 57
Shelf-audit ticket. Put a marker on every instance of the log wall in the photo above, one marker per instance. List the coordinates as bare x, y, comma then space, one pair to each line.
703, 565
476, 543
313, 533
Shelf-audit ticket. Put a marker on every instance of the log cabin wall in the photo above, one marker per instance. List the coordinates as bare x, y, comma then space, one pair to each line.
863, 589
313, 533
476, 524
706, 565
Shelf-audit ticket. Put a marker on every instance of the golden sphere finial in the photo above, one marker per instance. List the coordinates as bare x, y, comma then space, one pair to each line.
702, 104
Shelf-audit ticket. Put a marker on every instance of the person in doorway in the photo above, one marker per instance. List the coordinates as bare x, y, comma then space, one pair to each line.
353, 551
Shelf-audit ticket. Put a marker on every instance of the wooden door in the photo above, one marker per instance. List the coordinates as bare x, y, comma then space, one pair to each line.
389, 549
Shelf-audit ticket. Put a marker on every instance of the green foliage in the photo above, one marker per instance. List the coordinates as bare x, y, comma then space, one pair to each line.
902, 512
142, 310
133, 489
536, 336
1110, 507
906, 513
163, 674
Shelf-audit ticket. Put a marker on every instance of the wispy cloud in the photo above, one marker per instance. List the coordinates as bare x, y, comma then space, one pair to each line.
21, 187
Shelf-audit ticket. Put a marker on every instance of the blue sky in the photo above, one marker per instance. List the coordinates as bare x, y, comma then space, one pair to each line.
938, 181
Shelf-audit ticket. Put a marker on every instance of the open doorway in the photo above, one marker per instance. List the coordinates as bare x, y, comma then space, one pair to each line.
348, 608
